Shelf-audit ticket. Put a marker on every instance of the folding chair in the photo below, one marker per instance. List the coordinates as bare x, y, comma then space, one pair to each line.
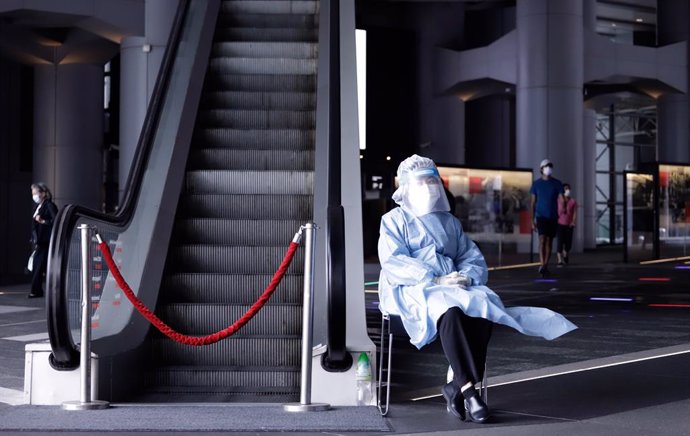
386, 331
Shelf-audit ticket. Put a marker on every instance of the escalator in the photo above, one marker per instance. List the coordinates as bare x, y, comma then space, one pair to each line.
222, 179
247, 189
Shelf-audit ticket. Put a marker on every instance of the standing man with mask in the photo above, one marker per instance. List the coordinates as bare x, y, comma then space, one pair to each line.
434, 277
546, 194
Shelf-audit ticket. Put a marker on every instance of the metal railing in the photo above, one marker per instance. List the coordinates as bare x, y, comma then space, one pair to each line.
337, 358
61, 295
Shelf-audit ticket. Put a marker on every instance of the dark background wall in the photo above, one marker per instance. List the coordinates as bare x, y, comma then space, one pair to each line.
16, 145
407, 113
392, 97
490, 132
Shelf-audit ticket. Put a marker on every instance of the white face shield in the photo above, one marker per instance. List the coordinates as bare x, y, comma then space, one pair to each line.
421, 192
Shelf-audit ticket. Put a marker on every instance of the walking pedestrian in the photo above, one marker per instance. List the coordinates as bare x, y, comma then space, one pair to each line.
546, 193
567, 216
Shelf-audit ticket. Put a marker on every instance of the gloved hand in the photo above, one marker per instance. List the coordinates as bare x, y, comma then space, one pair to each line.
453, 279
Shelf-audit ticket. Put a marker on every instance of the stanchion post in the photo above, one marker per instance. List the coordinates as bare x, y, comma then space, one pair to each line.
305, 404
85, 402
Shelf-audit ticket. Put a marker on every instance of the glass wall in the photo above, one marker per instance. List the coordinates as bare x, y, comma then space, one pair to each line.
639, 216
625, 140
493, 207
627, 22
674, 210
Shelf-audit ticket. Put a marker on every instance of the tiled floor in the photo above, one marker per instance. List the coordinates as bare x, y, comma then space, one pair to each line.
19, 317
626, 313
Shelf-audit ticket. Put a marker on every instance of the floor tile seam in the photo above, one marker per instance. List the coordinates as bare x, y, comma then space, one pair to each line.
36, 321
591, 364
566, 369
41, 336
535, 415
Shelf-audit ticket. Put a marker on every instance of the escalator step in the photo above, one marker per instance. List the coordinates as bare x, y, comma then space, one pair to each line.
275, 66
235, 232
240, 379
263, 49
249, 182
295, 101
297, 21
257, 119
272, 34
245, 352
258, 160
261, 82
270, 7
264, 139
203, 319
232, 260
229, 288
246, 206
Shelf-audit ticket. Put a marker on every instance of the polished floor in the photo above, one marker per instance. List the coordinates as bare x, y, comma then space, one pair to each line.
624, 371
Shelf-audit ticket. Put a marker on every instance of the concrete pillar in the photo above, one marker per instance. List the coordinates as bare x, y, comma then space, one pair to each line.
15, 173
441, 118
586, 228
589, 15
68, 132
550, 60
673, 110
140, 60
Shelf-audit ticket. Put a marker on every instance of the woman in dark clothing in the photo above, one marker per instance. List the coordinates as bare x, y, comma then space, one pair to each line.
41, 226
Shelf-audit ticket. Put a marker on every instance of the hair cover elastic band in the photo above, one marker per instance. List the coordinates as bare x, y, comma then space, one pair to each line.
424, 172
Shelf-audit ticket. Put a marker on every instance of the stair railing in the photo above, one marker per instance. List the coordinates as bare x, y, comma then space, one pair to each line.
164, 127
337, 358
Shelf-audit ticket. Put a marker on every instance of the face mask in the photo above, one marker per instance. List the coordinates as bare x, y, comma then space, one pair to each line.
36, 199
423, 198
548, 171
567, 192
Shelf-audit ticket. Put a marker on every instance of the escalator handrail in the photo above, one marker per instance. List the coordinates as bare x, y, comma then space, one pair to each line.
336, 358
65, 354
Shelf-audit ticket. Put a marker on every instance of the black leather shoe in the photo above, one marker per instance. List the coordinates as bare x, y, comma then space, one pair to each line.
476, 408
32, 295
453, 400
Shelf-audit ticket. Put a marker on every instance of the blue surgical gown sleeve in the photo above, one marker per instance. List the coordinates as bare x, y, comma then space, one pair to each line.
469, 260
401, 268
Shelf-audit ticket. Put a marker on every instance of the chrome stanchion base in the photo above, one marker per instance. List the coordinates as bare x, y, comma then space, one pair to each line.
299, 407
91, 405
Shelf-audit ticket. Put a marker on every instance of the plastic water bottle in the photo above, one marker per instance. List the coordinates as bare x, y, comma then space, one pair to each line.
363, 376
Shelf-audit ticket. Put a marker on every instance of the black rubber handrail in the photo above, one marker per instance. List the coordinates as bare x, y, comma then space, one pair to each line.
336, 358
65, 354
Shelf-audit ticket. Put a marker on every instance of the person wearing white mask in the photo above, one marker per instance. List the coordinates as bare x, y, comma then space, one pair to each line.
567, 216
41, 227
434, 277
546, 193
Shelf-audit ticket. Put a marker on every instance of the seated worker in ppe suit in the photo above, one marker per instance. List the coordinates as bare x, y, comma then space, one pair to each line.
433, 276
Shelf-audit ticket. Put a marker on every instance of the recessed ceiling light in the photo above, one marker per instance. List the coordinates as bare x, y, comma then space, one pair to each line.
613, 24
639, 20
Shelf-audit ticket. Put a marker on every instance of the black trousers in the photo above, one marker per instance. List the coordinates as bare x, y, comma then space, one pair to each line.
465, 340
565, 238
39, 270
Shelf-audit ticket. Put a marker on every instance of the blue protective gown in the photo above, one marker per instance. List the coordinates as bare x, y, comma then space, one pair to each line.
414, 250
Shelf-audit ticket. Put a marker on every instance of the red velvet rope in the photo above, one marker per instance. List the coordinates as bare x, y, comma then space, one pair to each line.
198, 340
